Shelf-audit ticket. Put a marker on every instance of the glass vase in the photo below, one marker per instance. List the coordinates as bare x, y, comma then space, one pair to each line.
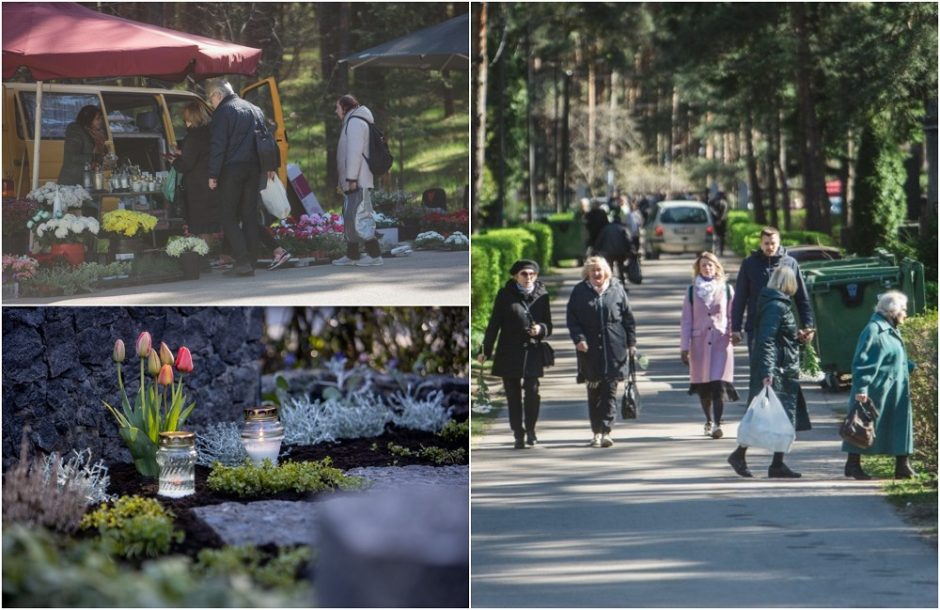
177, 460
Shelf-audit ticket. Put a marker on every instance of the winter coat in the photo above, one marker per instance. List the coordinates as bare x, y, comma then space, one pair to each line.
776, 353
79, 150
614, 242
706, 334
203, 213
595, 221
233, 134
881, 369
517, 354
606, 324
353, 148
753, 276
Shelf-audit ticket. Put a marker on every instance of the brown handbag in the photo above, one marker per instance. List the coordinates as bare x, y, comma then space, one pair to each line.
859, 426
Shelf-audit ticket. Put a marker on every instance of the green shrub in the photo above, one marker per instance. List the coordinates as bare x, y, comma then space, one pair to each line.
300, 477
438, 455
920, 340
543, 243
134, 527
455, 431
282, 572
485, 282
738, 236
512, 244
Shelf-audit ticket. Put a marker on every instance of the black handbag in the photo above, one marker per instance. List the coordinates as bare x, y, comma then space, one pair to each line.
548, 354
634, 272
630, 403
858, 429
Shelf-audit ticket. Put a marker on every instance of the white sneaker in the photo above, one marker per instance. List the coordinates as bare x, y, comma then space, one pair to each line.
345, 261
368, 261
606, 441
596, 442
716, 431
708, 429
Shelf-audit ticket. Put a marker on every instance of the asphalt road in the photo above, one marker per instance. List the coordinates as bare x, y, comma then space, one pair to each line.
660, 519
423, 278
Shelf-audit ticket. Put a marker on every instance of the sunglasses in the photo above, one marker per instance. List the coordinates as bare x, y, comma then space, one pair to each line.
528, 273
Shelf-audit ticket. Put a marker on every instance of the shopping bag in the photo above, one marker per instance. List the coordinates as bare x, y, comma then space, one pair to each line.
859, 426
171, 183
766, 425
634, 272
274, 197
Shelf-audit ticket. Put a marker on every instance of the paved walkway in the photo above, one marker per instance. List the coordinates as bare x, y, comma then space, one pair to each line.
660, 519
424, 277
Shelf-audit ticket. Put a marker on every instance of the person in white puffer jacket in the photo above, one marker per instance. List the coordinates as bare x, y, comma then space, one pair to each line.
356, 183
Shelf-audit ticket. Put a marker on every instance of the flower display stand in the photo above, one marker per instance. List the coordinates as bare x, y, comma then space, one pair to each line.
73, 253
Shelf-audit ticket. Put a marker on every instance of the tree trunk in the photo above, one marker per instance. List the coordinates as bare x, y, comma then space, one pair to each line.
565, 143
479, 107
592, 143
530, 126
759, 214
768, 165
780, 163
328, 16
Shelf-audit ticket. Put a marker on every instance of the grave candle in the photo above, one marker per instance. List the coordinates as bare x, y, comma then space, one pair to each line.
262, 433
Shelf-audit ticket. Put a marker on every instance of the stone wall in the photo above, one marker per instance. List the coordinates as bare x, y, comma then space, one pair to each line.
57, 369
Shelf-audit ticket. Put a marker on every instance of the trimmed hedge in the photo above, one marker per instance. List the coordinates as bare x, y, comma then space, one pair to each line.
496, 250
744, 235
920, 339
543, 243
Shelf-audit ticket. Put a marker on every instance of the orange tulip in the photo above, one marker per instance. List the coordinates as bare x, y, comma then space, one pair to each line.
166, 375
166, 356
184, 360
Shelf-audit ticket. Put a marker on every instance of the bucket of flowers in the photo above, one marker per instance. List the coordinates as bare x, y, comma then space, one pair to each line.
67, 236
429, 240
128, 227
456, 241
60, 198
189, 250
15, 270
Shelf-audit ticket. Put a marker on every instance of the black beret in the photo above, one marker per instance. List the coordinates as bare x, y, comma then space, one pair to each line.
524, 263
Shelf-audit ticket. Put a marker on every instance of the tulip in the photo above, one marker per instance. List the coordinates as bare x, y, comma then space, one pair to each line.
118, 354
184, 360
143, 344
166, 375
166, 356
153, 363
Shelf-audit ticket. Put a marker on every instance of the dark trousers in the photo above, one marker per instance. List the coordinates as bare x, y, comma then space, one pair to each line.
351, 204
238, 196
523, 412
602, 405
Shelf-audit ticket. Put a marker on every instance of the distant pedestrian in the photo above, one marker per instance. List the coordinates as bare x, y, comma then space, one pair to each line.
85, 145
235, 169
705, 340
753, 276
594, 221
881, 372
615, 244
356, 183
201, 205
775, 362
521, 319
719, 208
603, 331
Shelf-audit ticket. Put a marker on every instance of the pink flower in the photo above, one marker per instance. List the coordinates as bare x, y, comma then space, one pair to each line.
144, 342
184, 360
118, 353
166, 356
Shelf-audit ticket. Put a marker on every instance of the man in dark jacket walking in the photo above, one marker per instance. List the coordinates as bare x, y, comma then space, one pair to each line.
753, 276
234, 168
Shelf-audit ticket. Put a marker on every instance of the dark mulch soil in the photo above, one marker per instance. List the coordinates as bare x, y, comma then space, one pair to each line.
345, 454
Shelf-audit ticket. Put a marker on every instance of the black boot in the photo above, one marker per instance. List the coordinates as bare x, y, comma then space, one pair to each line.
853, 468
530, 438
902, 468
739, 463
779, 470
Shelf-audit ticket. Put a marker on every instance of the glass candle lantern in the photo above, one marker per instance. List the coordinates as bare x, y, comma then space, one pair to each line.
262, 433
177, 460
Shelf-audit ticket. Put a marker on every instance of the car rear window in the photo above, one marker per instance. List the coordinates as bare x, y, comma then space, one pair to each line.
684, 216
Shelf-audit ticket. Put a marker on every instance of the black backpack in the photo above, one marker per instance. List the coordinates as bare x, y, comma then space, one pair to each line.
269, 155
380, 158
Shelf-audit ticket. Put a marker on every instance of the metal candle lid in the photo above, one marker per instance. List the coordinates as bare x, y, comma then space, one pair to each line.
177, 439
265, 411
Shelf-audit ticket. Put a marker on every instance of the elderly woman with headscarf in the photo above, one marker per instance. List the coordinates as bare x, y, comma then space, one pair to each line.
520, 320
775, 362
604, 333
881, 372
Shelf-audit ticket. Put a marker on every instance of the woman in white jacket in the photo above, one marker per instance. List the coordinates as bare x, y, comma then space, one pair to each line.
356, 183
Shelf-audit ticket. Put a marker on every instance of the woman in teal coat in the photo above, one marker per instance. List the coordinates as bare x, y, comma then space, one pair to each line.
775, 361
881, 371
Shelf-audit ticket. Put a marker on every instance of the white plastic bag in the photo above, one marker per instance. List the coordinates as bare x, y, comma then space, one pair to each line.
274, 197
766, 424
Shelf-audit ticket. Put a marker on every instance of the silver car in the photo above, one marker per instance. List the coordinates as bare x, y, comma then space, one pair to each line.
677, 227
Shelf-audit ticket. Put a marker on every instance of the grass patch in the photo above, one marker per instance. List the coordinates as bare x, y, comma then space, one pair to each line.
915, 498
480, 422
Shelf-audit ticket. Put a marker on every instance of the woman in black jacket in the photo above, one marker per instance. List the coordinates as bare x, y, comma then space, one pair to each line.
604, 333
202, 210
85, 144
521, 319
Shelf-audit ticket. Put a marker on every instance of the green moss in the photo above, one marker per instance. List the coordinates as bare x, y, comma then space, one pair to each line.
455, 431
300, 477
134, 527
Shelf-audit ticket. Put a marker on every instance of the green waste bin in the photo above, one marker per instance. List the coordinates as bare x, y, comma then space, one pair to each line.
843, 301
568, 237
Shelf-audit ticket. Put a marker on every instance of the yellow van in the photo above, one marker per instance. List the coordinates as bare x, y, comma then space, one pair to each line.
141, 125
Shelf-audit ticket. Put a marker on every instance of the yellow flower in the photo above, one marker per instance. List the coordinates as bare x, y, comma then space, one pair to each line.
128, 222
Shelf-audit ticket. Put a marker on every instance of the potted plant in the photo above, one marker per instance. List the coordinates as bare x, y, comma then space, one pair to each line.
429, 240
15, 270
189, 250
16, 213
60, 198
160, 405
128, 226
312, 235
66, 236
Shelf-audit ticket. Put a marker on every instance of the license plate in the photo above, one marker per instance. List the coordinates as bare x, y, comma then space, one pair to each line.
685, 230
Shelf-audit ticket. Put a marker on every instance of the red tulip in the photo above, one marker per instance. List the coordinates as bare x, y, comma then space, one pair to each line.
184, 360
153, 363
166, 375
166, 356
118, 354
144, 342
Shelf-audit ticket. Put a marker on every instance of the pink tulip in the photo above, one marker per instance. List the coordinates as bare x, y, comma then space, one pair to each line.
153, 363
166, 356
144, 342
184, 360
166, 375
118, 354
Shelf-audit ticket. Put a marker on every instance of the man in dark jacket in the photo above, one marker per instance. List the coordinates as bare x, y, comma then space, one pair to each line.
753, 276
234, 168
615, 243
595, 221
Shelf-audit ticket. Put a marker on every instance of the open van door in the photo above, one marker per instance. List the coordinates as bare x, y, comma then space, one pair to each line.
264, 95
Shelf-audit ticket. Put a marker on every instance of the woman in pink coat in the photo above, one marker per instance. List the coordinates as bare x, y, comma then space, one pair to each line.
706, 340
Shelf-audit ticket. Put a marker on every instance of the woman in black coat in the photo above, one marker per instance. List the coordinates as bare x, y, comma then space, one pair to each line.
202, 209
603, 330
521, 319
84, 145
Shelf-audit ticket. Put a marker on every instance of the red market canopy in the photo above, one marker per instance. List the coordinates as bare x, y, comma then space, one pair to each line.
66, 40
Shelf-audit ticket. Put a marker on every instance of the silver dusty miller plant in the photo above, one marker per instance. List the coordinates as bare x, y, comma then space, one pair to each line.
309, 422
221, 442
91, 479
428, 414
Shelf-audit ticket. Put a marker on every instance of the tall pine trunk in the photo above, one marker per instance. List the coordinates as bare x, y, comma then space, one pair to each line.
478, 160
